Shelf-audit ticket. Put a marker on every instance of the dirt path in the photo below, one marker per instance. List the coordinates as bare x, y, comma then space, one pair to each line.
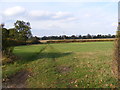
18, 80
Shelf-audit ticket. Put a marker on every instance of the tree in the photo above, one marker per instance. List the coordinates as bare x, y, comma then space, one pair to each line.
23, 28
80, 37
89, 36
73, 37
5, 40
64, 36
14, 36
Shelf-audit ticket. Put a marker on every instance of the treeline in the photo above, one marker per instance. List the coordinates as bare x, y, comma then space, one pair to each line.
88, 36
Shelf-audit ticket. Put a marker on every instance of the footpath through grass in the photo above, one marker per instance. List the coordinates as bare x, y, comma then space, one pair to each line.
65, 65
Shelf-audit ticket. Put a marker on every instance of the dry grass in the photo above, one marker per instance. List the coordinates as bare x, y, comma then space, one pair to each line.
76, 40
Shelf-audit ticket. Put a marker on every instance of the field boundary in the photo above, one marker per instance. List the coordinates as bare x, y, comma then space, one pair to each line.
77, 40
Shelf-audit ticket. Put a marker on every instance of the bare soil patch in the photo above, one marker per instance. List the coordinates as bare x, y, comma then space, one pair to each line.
63, 69
17, 81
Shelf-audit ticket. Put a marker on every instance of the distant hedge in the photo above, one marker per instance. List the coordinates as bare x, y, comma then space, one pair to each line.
79, 40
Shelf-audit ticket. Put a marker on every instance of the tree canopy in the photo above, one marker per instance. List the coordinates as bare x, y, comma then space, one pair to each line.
22, 30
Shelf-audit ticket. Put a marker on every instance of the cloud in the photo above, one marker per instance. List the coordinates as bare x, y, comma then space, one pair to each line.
14, 11
87, 15
46, 15
46, 25
61, 15
72, 18
91, 19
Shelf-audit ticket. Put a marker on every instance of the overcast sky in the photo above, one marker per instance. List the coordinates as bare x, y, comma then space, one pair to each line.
58, 18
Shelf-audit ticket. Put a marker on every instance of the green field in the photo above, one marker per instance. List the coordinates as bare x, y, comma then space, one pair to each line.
65, 65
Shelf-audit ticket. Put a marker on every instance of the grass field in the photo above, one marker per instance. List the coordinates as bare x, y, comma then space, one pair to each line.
65, 65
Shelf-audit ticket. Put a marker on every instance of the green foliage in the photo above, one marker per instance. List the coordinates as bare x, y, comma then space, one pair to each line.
6, 44
5, 33
23, 29
15, 36
34, 40
13, 33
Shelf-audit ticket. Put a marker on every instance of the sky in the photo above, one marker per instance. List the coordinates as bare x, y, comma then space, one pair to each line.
62, 18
